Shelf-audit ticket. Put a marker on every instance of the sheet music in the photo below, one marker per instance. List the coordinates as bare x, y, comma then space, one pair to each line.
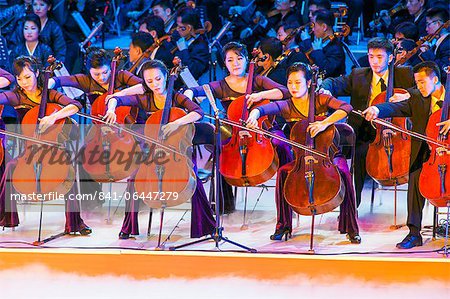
69, 91
190, 81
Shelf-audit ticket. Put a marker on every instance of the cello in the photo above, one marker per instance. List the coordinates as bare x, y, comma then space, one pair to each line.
35, 174
105, 143
387, 160
169, 180
248, 159
434, 180
314, 185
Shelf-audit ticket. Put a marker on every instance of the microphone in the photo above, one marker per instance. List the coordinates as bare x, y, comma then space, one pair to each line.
94, 31
211, 98
220, 34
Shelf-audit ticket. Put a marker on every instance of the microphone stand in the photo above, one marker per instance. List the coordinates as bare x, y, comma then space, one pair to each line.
84, 98
217, 235
216, 42
350, 54
94, 31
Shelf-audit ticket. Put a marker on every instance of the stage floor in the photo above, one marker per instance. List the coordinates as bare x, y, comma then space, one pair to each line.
105, 263
374, 222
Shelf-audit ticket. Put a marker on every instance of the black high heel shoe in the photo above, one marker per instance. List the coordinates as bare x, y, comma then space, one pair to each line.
85, 231
354, 238
124, 236
280, 233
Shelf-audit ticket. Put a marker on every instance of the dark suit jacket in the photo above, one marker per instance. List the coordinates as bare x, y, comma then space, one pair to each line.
330, 59
195, 57
418, 109
357, 85
421, 24
279, 73
441, 57
163, 54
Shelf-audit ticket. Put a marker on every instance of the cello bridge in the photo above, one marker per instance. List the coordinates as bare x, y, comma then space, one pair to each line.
388, 133
440, 151
243, 134
310, 160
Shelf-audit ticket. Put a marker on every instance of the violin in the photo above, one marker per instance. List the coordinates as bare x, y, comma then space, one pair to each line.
146, 54
314, 185
387, 160
420, 43
35, 173
172, 17
391, 12
196, 34
434, 180
296, 31
104, 143
176, 176
248, 159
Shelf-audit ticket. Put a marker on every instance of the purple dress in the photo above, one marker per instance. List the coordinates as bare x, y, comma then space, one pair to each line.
91, 87
202, 219
221, 90
348, 213
8, 208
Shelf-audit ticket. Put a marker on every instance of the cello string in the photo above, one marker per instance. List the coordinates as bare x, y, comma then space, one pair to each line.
35, 140
136, 134
261, 131
411, 133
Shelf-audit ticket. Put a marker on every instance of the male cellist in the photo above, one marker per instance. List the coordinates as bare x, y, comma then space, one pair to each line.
422, 102
363, 85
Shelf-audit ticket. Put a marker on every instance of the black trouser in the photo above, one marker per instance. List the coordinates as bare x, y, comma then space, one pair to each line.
416, 203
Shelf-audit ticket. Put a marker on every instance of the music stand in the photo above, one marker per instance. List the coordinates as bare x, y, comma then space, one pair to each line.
217, 235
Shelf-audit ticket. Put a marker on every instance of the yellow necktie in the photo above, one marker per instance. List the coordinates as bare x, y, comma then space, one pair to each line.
436, 104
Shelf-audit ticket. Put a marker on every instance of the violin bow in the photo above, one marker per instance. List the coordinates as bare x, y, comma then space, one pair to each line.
32, 139
398, 129
123, 128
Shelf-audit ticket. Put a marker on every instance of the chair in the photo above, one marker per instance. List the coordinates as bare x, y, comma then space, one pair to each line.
339, 7
375, 187
441, 227
347, 141
204, 135
340, 21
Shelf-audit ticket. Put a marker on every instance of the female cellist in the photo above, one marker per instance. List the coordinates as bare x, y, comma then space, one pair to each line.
295, 109
28, 93
154, 74
233, 86
94, 84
